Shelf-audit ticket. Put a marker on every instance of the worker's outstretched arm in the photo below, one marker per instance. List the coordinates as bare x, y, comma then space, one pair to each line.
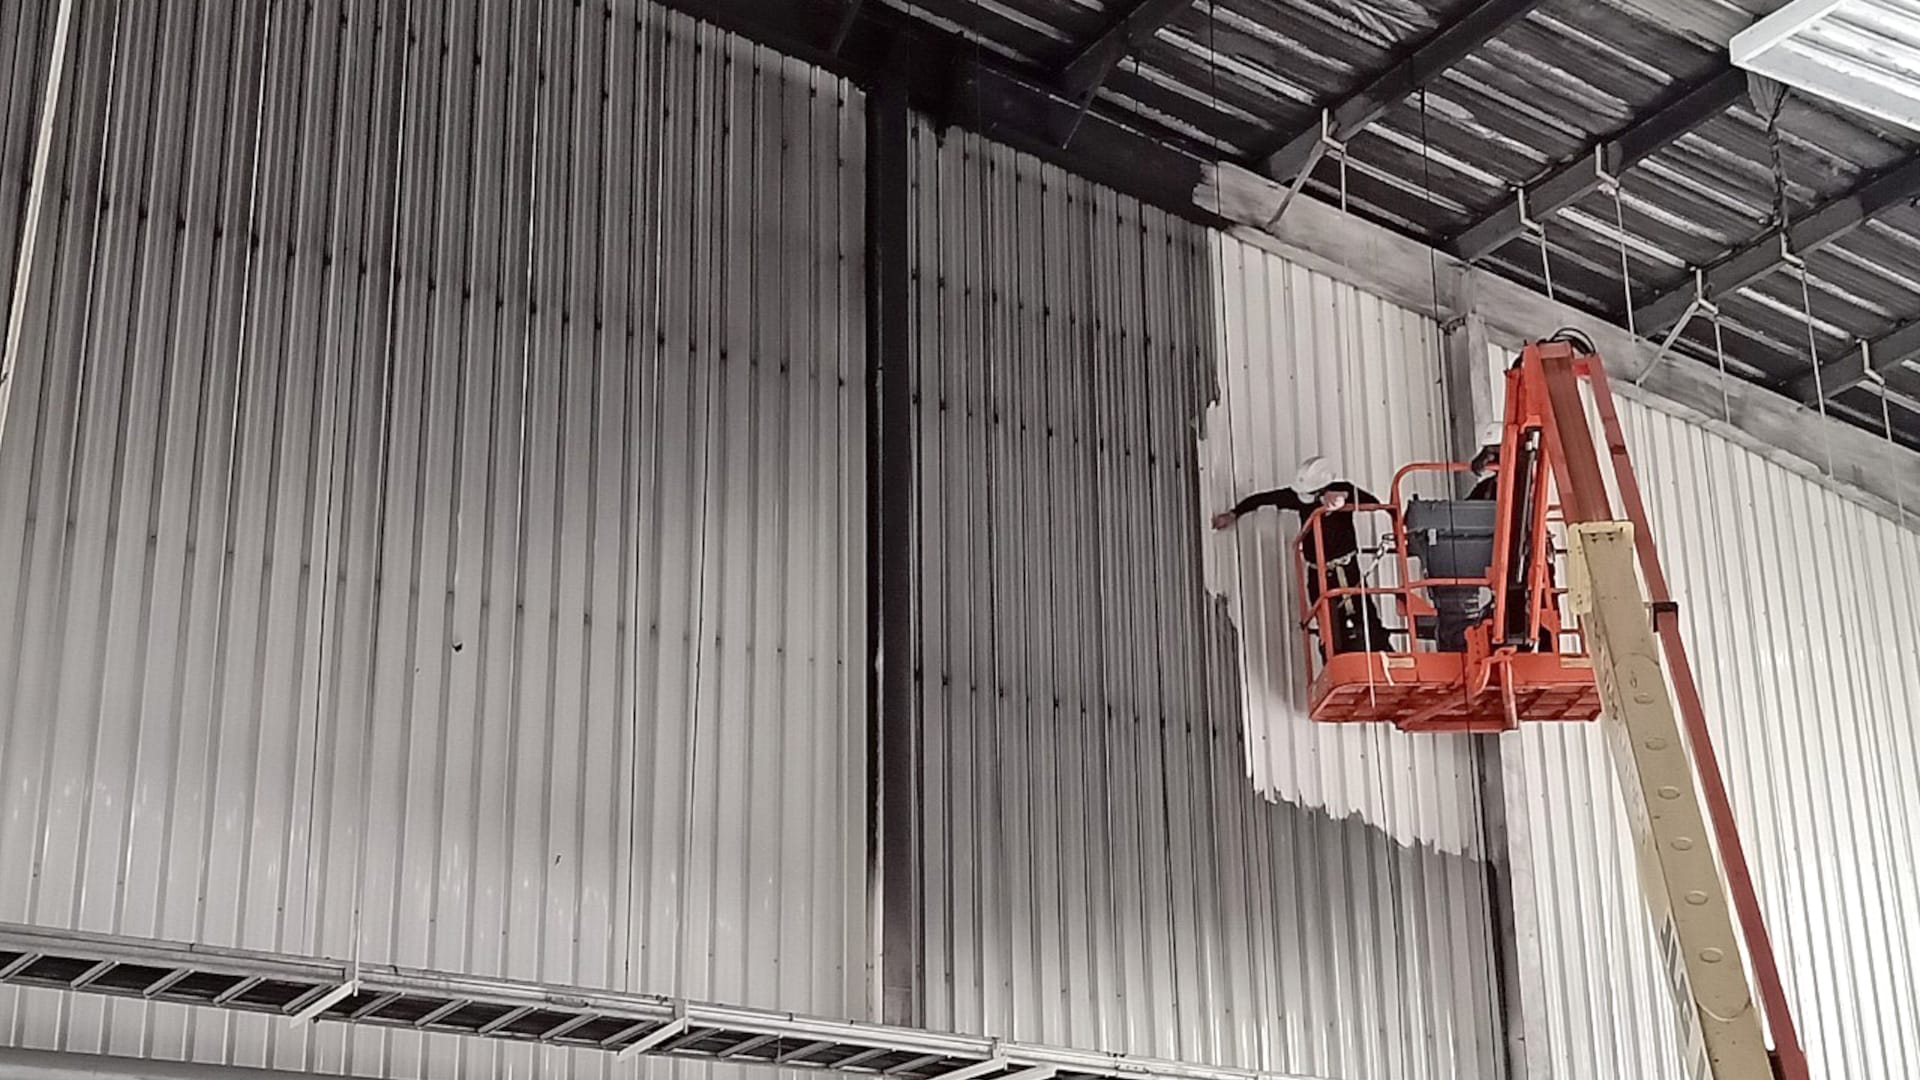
1278, 498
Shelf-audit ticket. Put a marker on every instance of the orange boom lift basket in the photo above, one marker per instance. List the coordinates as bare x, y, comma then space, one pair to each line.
1485, 643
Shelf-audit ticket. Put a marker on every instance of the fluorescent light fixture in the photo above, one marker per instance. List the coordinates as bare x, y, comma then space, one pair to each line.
1864, 54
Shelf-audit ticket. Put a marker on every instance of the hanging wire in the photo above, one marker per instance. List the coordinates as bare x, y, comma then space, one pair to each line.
646, 481
328, 605
1221, 342
1433, 257
1854, 674
1246, 615
1721, 478
1770, 99
1841, 558
1447, 414
1340, 149
1626, 267
382, 486
1881, 390
1239, 575
1546, 259
1233, 455
1527, 224
1720, 358
987, 294
1813, 358
709, 421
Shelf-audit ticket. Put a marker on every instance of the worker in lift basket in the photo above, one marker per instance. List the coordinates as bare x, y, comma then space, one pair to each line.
1356, 619
1486, 474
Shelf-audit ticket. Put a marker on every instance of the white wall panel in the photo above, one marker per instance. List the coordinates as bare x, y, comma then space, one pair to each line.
1099, 869
1310, 366
1802, 611
431, 515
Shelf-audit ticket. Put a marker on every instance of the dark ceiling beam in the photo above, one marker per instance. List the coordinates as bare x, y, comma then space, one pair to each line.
1846, 372
1441, 50
1579, 177
1750, 262
952, 81
1082, 75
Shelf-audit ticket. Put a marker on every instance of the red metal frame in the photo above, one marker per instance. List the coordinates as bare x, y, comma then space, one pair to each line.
1494, 685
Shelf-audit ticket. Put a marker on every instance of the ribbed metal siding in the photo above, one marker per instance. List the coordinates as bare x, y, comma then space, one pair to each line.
1100, 870
431, 515
1605, 1010
1801, 611
1311, 366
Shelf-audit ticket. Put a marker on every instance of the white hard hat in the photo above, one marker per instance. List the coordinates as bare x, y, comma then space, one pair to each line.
1315, 475
1491, 434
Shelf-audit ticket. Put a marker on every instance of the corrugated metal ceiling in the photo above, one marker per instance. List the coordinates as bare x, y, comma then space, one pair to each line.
1238, 78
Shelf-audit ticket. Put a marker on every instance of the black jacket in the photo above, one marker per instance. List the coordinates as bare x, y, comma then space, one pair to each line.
1336, 527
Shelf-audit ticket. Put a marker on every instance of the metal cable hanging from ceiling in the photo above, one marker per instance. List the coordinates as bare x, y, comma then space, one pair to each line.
1773, 95
1243, 616
710, 450
1539, 231
1447, 417
1770, 99
1720, 361
1617, 184
1879, 384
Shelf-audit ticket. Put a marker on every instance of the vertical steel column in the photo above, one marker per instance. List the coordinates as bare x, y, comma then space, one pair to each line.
1516, 976
893, 717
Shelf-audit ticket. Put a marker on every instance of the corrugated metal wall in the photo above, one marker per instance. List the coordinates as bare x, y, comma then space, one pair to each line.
1310, 366
1599, 1006
331, 513
1100, 870
1803, 614
431, 515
